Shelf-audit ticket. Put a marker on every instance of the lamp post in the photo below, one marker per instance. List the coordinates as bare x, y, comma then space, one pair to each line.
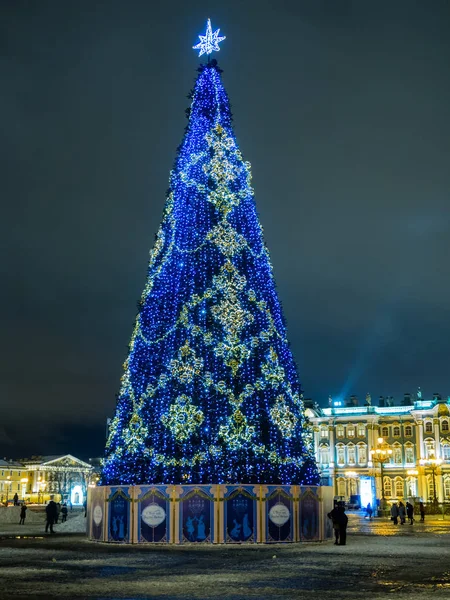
433, 465
381, 455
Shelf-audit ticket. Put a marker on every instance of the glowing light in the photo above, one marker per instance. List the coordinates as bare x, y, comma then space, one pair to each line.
209, 392
210, 41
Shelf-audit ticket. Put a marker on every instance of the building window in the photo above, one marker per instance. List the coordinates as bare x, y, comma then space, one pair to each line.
430, 488
385, 432
340, 431
351, 431
387, 486
10, 473
408, 431
409, 455
396, 432
429, 448
361, 430
341, 487
397, 455
444, 425
18, 473
428, 427
399, 488
446, 452
324, 456
340, 455
324, 432
3, 473
351, 455
411, 486
447, 488
362, 455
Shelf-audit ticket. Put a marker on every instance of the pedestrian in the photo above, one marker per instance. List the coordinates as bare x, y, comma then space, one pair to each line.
369, 511
50, 510
16, 499
422, 511
58, 510
334, 516
343, 522
410, 512
23, 513
402, 513
64, 512
394, 513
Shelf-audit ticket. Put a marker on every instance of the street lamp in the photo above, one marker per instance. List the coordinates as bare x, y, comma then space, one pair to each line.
381, 455
433, 464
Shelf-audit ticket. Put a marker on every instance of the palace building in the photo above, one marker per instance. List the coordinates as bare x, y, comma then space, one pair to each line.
36, 480
385, 453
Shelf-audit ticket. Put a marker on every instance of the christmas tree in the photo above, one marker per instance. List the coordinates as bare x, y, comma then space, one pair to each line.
210, 392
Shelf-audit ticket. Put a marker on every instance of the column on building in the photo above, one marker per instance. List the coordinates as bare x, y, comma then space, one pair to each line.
332, 464
437, 443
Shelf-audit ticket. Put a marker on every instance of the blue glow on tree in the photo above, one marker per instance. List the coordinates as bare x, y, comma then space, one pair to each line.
210, 392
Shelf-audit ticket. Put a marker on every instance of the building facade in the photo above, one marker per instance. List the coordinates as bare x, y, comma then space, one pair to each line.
36, 480
385, 453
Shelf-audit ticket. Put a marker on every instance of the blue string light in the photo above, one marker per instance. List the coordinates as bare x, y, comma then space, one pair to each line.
210, 392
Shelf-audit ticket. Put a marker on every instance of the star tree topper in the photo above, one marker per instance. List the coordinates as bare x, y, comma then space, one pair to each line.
209, 42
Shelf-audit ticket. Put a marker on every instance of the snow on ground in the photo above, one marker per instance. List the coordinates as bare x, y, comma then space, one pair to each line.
11, 514
380, 559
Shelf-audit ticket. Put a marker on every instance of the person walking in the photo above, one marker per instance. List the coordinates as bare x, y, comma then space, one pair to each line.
422, 511
16, 499
51, 512
402, 513
369, 511
394, 513
58, 510
23, 513
410, 512
343, 522
64, 513
334, 516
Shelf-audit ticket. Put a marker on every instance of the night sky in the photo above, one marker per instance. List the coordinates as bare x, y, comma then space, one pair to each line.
342, 108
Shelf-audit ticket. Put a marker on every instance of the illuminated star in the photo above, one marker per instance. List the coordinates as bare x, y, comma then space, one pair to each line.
209, 42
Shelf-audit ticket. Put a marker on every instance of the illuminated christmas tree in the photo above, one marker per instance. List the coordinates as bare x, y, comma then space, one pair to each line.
210, 392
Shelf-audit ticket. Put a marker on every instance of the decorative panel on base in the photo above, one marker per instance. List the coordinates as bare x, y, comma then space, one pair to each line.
209, 514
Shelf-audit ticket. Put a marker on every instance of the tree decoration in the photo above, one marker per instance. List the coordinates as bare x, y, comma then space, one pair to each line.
210, 392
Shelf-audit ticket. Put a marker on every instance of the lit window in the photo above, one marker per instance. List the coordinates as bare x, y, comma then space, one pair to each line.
396, 432
385, 432
409, 455
340, 431
351, 454
341, 487
324, 432
361, 430
428, 427
408, 431
447, 488
350, 431
446, 452
387, 486
340, 455
429, 448
397, 455
444, 426
399, 488
362, 455
324, 456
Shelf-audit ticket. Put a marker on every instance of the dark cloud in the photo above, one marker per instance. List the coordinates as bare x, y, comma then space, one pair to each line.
342, 109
